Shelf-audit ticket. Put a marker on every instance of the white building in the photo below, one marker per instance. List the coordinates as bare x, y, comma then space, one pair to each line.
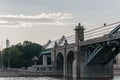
7, 43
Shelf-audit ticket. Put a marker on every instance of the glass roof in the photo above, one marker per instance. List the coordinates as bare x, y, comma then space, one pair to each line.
70, 39
51, 44
94, 33
44, 52
101, 31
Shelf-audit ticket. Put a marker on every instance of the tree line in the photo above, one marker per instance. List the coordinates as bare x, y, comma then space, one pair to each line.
20, 55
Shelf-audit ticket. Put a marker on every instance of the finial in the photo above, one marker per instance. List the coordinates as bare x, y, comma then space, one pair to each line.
55, 43
105, 24
49, 41
65, 42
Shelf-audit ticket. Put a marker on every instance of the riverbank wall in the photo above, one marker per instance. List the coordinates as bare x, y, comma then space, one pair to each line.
18, 73
25, 73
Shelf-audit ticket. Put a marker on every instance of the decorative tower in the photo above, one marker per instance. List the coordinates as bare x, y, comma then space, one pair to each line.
79, 33
7, 43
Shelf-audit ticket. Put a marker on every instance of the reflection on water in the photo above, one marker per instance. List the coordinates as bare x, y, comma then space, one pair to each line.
51, 78
86, 79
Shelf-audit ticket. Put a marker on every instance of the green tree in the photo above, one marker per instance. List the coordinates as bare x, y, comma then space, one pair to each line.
12, 57
20, 55
29, 50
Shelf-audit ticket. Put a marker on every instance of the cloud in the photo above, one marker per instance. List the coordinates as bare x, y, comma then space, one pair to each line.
32, 20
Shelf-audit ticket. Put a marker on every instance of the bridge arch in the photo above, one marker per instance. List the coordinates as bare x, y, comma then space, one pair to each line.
70, 59
59, 61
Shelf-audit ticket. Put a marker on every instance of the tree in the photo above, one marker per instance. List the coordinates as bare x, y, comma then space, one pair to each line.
20, 55
12, 57
29, 50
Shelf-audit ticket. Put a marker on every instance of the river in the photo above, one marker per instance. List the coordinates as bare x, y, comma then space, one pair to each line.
52, 78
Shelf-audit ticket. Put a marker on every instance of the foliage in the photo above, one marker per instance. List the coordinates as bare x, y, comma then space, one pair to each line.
13, 57
20, 55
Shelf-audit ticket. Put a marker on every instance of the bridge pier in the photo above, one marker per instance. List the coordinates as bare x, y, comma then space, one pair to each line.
97, 70
97, 66
65, 64
76, 69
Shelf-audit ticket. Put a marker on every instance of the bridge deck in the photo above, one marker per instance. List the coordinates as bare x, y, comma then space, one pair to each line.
98, 40
94, 40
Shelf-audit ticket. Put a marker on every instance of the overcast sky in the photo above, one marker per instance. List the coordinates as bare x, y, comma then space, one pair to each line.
41, 20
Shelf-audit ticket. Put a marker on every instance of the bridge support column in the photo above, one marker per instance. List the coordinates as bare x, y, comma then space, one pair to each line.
65, 66
65, 60
98, 70
76, 64
76, 69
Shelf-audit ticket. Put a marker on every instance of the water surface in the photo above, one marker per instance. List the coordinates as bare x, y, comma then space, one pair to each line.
53, 78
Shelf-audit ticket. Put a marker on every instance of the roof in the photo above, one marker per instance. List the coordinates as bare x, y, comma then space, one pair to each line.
100, 31
45, 52
60, 42
94, 33
35, 58
51, 44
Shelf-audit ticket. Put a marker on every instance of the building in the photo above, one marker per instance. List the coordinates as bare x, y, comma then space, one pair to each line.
62, 56
7, 43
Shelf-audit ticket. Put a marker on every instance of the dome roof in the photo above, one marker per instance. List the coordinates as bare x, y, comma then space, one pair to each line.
35, 58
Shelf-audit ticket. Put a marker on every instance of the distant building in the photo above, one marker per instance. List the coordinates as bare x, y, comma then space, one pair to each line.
7, 43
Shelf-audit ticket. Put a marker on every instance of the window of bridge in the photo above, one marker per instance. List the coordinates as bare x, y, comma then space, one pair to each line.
70, 59
60, 61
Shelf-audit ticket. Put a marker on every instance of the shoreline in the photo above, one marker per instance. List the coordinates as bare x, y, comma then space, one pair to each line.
19, 73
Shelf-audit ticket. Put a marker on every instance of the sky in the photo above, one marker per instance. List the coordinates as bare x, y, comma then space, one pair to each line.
42, 20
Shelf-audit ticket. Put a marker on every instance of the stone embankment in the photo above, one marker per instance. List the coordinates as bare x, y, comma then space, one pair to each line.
116, 70
23, 73
26, 73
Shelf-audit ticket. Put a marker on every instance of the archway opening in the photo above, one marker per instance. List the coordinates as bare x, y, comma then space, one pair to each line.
60, 62
70, 59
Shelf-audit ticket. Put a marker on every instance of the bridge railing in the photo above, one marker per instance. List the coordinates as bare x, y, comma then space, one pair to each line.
94, 33
100, 31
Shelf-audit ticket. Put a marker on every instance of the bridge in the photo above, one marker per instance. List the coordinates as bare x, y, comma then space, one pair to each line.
87, 53
97, 54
